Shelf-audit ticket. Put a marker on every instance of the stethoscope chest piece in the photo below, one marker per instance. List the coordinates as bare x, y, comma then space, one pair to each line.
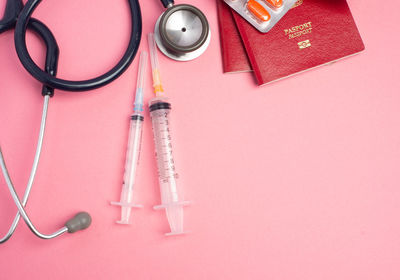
182, 32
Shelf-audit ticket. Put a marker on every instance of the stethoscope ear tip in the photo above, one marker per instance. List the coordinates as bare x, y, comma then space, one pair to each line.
81, 221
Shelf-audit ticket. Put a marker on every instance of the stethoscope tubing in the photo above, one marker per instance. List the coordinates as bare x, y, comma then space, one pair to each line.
51, 81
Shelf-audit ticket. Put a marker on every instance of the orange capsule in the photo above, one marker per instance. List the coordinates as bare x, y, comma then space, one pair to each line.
258, 10
274, 3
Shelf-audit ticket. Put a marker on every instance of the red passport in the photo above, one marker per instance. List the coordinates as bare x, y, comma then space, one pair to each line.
234, 57
311, 34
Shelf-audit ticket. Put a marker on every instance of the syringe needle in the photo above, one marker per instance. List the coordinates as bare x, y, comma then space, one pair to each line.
158, 88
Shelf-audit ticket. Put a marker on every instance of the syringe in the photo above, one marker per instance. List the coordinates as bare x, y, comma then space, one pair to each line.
171, 196
133, 151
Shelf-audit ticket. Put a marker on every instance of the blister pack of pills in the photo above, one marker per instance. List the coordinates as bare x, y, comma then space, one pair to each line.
262, 14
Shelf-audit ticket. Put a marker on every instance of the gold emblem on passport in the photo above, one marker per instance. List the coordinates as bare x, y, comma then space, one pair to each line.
304, 44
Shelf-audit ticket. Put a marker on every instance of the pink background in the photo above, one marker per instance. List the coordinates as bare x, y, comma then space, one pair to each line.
299, 179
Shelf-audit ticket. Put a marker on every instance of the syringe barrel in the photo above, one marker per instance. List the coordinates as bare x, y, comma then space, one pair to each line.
160, 110
132, 157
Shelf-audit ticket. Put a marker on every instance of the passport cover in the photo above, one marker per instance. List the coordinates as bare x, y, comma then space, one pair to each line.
311, 34
234, 57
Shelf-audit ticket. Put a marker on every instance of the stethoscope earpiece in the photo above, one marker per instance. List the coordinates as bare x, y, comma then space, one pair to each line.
80, 221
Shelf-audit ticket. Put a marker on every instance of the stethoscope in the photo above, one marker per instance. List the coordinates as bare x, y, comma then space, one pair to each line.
183, 34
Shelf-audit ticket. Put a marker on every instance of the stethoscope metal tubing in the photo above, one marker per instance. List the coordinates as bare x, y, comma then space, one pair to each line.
33, 171
20, 206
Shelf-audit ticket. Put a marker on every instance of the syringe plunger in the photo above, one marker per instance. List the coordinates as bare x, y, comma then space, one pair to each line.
133, 151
